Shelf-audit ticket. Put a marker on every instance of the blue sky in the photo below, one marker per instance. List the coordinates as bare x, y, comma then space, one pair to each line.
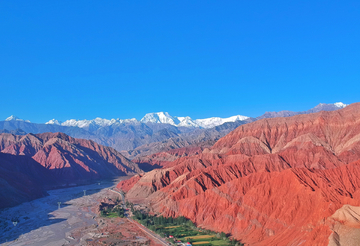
122, 59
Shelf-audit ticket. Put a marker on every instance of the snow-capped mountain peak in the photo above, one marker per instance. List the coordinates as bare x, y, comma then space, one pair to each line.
53, 122
327, 107
78, 123
216, 121
160, 117
132, 120
166, 118
97, 122
187, 122
103, 122
93, 124
15, 118
340, 105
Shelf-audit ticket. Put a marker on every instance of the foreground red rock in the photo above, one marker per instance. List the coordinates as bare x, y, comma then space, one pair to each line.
271, 182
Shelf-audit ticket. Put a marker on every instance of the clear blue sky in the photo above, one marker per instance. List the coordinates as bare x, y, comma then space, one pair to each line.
122, 59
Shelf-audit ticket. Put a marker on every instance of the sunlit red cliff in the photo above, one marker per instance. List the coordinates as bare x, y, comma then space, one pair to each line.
279, 181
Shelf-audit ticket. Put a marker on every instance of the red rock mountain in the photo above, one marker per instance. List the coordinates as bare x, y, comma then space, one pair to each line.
31, 163
70, 159
166, 158
275, 181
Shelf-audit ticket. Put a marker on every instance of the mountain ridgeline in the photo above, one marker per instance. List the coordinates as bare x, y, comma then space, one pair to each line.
278, 181
271, 181
32, 163
154, 133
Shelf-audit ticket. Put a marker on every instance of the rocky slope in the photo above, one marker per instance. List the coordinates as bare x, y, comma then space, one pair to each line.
133, 138
15, 132
31, 163
196, 138
271, 182
166, 158
69, 158
22, 179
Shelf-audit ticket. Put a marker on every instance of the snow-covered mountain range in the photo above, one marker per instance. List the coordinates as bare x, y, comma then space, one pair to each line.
166, 118
97, 122
160, 117
149, 135
13, 117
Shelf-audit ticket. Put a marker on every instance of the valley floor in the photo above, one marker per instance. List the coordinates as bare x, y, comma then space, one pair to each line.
41, 222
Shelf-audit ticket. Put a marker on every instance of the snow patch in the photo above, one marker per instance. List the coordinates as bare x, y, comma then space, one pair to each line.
216, 121
166, 118
15, 118
160, 117
340, 104
53, 122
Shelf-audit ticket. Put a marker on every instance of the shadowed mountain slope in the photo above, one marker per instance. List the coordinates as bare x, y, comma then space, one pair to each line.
22, 179
31, 163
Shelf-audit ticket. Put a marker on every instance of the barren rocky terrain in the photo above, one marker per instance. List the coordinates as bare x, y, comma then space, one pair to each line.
276, 181
77, 222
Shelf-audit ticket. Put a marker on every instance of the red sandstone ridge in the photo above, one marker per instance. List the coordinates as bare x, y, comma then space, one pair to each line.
271, 182
166, 158
126, 185
70, 160
162, 159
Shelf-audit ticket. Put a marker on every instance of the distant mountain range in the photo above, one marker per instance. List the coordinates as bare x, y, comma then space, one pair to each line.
166, 118
153, 133
318, 108
160, 117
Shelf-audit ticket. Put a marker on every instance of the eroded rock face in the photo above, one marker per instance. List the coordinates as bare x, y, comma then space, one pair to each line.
345, 224
70, 159
166, 158
129, 183
271, 182
31, 163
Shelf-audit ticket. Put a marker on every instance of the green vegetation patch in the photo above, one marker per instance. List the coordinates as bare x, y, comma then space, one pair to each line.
170, 227
200, 237
222, 242
182, 229
202, 243
112, 212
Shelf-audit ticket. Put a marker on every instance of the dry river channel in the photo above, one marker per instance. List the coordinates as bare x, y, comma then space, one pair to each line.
51, 220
